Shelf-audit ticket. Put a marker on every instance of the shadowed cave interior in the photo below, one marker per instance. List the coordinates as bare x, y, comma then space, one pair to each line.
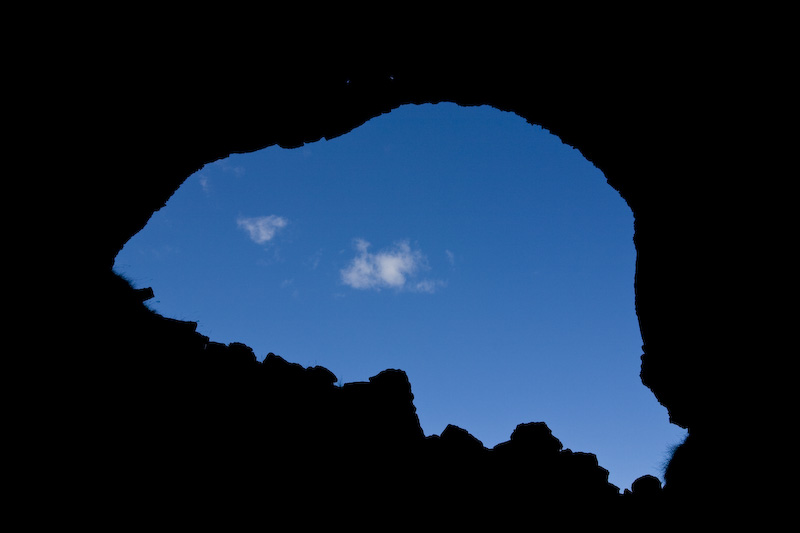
158, 420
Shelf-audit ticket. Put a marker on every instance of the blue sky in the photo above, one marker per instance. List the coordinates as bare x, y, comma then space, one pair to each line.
474, 251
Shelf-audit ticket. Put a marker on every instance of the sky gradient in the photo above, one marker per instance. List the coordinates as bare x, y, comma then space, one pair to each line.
474, 251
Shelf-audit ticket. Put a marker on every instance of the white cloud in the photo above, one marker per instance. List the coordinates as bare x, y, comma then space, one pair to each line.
392, 268
428, 285
205, 184
261, 229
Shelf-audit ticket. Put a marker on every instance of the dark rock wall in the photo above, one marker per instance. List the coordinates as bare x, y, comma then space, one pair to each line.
150, 416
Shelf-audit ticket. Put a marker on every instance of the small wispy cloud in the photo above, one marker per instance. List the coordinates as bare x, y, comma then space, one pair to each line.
428, 285
312, 262
451, 258
393, 268
228, 168
261, 229
205, 184
288, 284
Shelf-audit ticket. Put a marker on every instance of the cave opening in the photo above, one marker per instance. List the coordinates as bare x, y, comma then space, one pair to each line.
476, 252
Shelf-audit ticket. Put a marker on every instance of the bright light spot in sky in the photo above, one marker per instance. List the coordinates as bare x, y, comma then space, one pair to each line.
476, 252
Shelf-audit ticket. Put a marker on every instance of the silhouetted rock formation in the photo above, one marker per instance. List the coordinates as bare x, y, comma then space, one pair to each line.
131, 417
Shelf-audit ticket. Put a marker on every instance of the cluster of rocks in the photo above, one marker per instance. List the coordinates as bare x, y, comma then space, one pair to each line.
214, 424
